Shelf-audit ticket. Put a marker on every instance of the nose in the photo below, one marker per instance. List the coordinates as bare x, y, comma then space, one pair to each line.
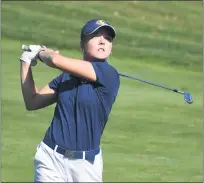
101, 40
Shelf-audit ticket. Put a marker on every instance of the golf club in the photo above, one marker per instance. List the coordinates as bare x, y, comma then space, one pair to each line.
30, 47
25, 48
187, 96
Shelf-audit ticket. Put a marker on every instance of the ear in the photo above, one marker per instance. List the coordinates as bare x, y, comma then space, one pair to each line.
82, 45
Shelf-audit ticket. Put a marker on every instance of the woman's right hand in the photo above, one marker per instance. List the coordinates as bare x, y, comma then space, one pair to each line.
46, 56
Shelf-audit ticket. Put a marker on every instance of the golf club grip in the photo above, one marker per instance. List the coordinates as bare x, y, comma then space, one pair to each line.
29, 47
25, 48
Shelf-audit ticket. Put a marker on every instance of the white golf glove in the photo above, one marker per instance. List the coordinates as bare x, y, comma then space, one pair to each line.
30, 54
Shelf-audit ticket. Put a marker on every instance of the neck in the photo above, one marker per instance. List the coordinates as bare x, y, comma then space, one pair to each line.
88, 58
91, 59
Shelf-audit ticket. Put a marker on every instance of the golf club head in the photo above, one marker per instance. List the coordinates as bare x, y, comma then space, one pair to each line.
188, 98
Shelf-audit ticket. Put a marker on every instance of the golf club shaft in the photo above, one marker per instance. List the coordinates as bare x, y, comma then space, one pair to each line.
149, 82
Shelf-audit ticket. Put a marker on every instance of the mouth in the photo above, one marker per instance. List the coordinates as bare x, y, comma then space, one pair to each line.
101, 49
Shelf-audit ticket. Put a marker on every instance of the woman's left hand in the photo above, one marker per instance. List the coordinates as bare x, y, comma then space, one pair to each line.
46, 55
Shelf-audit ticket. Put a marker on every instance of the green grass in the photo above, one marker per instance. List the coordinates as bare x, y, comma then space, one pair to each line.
152, 134
147, 30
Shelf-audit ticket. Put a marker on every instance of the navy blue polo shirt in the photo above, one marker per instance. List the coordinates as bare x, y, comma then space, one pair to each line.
83, 107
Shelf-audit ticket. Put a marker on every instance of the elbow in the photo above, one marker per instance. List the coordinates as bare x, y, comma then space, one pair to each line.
30, 107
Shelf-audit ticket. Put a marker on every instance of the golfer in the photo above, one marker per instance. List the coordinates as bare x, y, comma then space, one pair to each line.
84, 94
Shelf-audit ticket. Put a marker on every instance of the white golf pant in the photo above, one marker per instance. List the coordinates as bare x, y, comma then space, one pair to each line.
50, 166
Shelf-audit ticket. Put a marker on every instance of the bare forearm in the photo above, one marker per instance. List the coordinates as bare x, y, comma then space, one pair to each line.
27, 85
77, 67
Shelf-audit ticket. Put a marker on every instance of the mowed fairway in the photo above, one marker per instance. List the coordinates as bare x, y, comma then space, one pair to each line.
152, 133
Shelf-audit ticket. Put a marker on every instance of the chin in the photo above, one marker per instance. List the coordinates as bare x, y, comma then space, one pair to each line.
101, 57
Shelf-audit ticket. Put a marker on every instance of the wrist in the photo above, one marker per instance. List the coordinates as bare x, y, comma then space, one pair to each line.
45, 56
25, 64
39, 55
25, 67
25, 61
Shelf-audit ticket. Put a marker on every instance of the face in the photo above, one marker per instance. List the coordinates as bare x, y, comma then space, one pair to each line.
98, 45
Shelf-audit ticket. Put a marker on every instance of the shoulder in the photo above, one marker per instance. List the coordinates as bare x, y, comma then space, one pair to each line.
113, 68
106, 66
65, 76
61, 77
106, 74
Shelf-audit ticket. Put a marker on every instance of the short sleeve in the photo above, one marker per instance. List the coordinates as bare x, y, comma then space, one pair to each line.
107, 76
54, 84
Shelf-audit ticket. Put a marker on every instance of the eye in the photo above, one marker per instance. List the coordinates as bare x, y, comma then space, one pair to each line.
97, 34
109, 38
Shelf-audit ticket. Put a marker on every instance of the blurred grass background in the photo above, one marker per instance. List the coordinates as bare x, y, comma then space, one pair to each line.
152, 134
